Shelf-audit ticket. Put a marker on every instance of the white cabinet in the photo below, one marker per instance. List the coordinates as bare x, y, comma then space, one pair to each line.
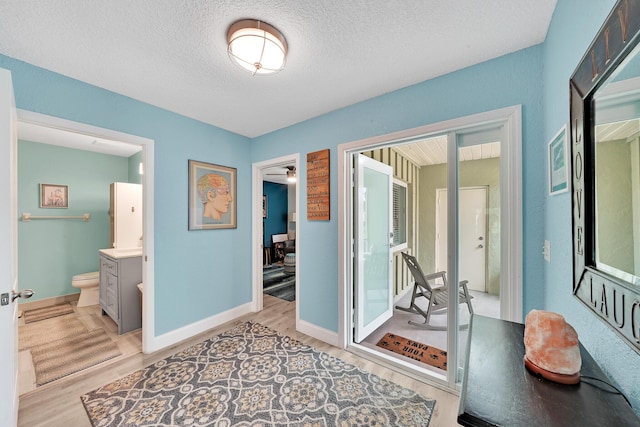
119, 296
125, 215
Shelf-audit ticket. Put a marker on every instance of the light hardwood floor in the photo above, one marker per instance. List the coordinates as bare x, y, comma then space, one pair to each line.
59, 404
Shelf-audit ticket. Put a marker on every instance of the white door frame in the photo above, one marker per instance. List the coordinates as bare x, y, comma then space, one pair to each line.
257, 174
149, 342
511, 232
363, 213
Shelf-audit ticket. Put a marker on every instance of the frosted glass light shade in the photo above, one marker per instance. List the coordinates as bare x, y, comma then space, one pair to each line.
256, 46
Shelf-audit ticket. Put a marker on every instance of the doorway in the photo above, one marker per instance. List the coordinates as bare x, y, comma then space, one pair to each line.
42, 129
279, 236
455, 136
473, 234
276, 255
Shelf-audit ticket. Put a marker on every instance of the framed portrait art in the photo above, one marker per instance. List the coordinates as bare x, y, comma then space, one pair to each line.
54, 196
558, 167
212, 196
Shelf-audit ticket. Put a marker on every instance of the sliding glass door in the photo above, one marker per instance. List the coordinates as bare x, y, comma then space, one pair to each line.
457, 218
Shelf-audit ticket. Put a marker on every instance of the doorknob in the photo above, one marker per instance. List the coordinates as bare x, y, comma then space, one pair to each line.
26, 294
480, 247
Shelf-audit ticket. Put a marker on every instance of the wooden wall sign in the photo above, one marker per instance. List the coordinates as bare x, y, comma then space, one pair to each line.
318, 204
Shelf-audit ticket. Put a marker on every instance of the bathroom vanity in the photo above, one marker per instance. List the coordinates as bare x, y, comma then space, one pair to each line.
120, 273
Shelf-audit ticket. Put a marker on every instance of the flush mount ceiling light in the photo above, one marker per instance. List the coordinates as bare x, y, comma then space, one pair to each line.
256, 46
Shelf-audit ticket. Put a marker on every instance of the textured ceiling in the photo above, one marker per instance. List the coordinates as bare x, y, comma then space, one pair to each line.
172, 53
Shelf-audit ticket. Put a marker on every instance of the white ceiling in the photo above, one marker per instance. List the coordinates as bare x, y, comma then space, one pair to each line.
47, 135
172, 54
433, 151
276, 174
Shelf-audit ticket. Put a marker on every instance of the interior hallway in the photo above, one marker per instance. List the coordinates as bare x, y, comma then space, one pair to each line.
59, 404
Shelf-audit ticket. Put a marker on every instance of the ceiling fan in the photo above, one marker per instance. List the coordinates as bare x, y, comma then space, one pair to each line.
290, 172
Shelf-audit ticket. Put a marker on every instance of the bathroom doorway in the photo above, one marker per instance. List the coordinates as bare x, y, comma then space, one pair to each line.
101, 147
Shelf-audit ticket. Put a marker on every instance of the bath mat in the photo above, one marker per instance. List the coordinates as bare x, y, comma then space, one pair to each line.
48, 330
63, 357
251, 375
47, 312
417, 351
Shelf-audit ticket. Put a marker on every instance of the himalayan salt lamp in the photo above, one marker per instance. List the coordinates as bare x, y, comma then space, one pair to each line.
551, 347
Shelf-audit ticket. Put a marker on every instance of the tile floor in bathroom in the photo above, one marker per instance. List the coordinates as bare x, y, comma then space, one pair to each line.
92, 318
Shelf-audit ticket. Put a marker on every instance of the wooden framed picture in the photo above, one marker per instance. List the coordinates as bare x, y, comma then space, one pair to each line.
54, 196
558, 168
212, 196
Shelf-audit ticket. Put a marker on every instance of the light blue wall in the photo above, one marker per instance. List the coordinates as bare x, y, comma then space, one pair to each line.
134, 168
50, 252
506, 81
197, 273
575, 23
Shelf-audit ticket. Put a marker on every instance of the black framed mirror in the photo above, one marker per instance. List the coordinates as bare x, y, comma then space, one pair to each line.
605, 152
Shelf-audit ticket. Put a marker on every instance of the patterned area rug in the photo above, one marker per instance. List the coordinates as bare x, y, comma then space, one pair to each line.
252, 376
47, 312
415, 350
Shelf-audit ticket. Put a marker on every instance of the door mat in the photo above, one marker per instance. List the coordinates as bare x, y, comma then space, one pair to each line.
417, 351
47, 312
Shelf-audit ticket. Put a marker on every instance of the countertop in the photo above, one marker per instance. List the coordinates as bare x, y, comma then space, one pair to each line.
121, 253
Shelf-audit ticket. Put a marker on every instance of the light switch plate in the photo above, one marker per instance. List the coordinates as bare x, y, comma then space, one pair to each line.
546, 250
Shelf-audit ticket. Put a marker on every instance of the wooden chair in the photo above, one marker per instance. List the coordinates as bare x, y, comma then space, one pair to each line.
424, 286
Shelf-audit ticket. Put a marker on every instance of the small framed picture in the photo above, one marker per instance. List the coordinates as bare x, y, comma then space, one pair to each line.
212, 196
54, 196
558, 166
264, 206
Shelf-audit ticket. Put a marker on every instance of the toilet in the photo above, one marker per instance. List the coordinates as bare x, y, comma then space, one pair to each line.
88, 283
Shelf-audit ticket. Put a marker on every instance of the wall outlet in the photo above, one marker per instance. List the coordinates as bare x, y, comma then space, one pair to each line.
546, 251
4, 299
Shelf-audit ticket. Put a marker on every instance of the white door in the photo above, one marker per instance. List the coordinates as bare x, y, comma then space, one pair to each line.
8, 254
373, 288
128, 215
472, 234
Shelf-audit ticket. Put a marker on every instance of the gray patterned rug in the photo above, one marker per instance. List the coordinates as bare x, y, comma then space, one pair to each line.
252, 376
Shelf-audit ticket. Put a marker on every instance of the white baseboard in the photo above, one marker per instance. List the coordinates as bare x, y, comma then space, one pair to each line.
181, 334
48, 302
318, 333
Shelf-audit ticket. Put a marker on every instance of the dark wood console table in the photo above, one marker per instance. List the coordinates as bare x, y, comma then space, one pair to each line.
497, 389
